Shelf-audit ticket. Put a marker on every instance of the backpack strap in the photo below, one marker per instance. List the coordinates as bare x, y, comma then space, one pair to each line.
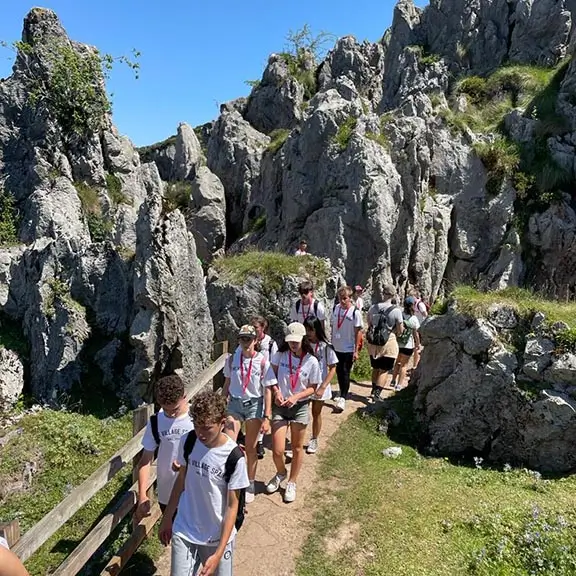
189, 444
270, 346
231, 463
298, 303
154, 428
316, 308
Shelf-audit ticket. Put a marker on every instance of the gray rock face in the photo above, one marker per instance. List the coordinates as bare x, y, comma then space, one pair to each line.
277, 101
473, 395
11, 378
234, 153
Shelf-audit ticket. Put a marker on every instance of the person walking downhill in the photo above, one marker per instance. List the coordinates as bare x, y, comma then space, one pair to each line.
407, 342
266, 345
346, 339
207, 493
327, 359
385, 324
307, 305
421, 312
357, 299
298, 374
246, 387
163, 432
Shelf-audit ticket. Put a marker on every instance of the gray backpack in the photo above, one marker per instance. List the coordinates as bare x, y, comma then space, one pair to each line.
378, 334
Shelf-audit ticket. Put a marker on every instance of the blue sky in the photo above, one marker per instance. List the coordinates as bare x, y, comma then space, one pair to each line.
195, 55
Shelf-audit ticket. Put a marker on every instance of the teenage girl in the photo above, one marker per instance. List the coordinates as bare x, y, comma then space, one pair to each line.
327, 359
249, 399
408, 341
298, 375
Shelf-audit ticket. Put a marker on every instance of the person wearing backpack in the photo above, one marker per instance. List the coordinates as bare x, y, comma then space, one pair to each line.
246, 383
327, 359
267, 346
209, 494
307, 305
346, 339
385, 324
408, 342
163, 433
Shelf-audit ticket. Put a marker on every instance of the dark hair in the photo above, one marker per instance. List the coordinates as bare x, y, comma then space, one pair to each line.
306, 346
409, 308
305, 286
169, 389
313, 323
208, 408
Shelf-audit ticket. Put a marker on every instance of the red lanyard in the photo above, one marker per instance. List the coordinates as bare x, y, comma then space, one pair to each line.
316, 349
305, 314
340, 322
245, 381
294, 377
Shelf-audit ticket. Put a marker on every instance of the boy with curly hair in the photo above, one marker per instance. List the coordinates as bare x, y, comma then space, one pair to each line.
207, 494
163, 433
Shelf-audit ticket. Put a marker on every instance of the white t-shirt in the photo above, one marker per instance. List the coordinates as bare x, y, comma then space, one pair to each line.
268, 347
170, 431
4, 543
203, 502
300, 252
406, 340
421, 312
308, 373
326, 357
344, 324
304, 310
257, 367
394, 317
359, 303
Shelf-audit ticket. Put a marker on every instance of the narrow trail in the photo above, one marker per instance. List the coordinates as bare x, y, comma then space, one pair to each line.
274, 532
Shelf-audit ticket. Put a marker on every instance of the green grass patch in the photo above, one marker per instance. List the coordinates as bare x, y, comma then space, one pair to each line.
177, 195
66, 447
277, 139
429, 516
272, 267
501, 158
344, 134
114, 186
361, 370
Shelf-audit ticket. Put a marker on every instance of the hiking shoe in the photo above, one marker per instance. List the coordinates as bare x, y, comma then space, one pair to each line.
260, 450
290, 492
377, 396
288, 454
274, 484
312, 446
250, 493
340, 404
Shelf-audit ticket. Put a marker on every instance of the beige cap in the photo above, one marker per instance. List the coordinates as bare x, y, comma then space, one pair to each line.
247, 330
295, 332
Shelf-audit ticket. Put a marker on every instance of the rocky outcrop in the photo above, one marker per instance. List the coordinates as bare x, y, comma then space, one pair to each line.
11, 378
476, 396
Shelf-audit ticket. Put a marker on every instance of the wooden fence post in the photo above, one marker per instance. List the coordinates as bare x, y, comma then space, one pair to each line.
140, 418
10, 531
219, 349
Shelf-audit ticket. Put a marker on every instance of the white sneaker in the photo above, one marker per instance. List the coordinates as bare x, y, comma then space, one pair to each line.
250, 493
340, 404
288, 454
290, 493
312, 446
274, 484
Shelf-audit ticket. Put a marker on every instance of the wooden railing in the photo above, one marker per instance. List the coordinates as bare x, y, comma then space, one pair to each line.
26, 545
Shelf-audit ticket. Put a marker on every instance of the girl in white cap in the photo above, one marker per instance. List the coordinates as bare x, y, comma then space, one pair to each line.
298, 375
246, 386
327, 359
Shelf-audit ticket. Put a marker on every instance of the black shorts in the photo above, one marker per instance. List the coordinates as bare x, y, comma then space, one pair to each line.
406, 351
383, 363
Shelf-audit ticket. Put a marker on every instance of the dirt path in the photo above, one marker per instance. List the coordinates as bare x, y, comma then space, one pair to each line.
272, 535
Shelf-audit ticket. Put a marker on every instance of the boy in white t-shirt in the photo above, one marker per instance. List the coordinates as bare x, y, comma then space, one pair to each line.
163, 432
307, 305
206, 494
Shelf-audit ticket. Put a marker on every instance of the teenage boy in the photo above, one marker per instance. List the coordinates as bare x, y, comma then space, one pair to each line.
302, 249
346, 340
307, 305
163, 432
206, 494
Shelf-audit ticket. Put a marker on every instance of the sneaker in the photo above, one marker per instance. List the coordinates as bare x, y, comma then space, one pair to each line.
260, 450
377, 396
288, 454
312, 446
340, 404
250, 493
393, 384
290, 492
274, 484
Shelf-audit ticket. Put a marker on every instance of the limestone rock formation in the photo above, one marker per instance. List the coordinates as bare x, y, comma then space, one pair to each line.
11, 378
475, 396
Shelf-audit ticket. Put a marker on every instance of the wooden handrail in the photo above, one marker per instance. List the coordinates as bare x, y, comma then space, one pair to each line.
34, 538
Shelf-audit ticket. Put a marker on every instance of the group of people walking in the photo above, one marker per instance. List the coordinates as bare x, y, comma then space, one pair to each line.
204, 478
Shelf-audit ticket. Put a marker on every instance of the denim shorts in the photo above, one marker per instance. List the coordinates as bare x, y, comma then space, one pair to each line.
300, 413
246, 409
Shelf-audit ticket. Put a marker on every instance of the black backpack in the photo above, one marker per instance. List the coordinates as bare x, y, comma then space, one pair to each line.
379, 334
229, 468
299, 303
154, 428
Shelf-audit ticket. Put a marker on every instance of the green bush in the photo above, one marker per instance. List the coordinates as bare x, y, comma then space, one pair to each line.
177, 195
344, 133
114, 186
8, 219
258, 224
500, 158
277, 139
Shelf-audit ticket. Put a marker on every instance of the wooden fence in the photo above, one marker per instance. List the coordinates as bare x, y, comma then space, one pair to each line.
26, 545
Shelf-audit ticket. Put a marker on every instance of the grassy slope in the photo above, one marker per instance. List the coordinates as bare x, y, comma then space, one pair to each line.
424, 516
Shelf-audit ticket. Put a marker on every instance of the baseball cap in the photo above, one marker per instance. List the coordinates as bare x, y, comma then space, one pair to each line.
295, 332
247, 330
410, 300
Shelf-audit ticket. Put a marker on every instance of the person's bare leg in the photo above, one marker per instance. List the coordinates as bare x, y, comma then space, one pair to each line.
252, 430
317, 406
298, 433
278, 443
